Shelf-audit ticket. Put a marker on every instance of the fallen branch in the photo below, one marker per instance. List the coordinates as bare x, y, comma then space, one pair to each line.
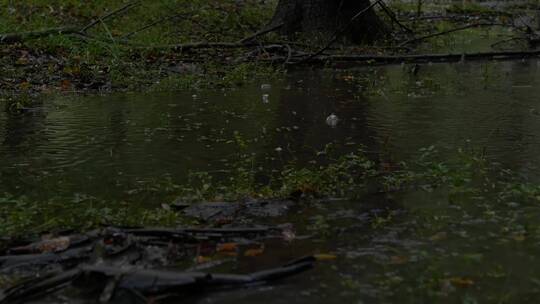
19, 37
260, 33
201, 45
107, 16
152, 24
393, 17
146, 282
426, 57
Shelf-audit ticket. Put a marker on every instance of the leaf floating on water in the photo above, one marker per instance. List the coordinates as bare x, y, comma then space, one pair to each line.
254, 251
325, 257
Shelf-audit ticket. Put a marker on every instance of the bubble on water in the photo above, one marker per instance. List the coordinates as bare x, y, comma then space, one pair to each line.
266, 86
332, 120
266, 98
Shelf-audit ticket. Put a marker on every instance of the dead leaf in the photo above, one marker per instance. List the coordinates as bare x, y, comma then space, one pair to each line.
55, 245
439, 236
25, 85
461, 282
65, 85
203, 259
254, 251
226, 247
324, 257
399, 260
519, 237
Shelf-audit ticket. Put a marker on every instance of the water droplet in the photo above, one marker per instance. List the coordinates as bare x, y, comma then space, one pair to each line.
332, 120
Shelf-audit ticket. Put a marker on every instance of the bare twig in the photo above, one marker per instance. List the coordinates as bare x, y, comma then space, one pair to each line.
107, 16
152, 24
201, 45
19, 37
260, 33
468, 26
393, 17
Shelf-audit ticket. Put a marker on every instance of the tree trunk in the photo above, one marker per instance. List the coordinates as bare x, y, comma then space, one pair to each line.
326, 17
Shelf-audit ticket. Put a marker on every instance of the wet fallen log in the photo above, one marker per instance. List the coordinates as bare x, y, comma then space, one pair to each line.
74, 255
146, 282
420, 58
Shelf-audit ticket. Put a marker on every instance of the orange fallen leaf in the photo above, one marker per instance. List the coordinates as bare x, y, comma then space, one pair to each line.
24, 85
65, 85
203, 259
324, 257
398, 259
226, 247
254, 252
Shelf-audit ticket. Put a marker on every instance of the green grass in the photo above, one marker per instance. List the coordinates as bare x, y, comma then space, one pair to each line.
119, 53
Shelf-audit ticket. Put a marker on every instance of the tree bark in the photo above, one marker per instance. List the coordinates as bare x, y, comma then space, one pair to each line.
327, 17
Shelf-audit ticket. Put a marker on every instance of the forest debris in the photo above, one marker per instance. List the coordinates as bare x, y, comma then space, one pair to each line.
420, 58
8, 262
112, 262
227, 247
19, 37
52, 245
147, 282
253, 252
461, 282
216, 211
22, 36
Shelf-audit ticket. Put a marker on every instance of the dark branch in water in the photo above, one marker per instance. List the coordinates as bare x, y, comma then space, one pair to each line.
425, 57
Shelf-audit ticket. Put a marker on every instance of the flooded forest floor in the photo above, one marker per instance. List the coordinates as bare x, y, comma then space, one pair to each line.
149, 151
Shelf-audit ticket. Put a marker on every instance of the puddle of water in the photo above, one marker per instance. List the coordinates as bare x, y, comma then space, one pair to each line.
412, 247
